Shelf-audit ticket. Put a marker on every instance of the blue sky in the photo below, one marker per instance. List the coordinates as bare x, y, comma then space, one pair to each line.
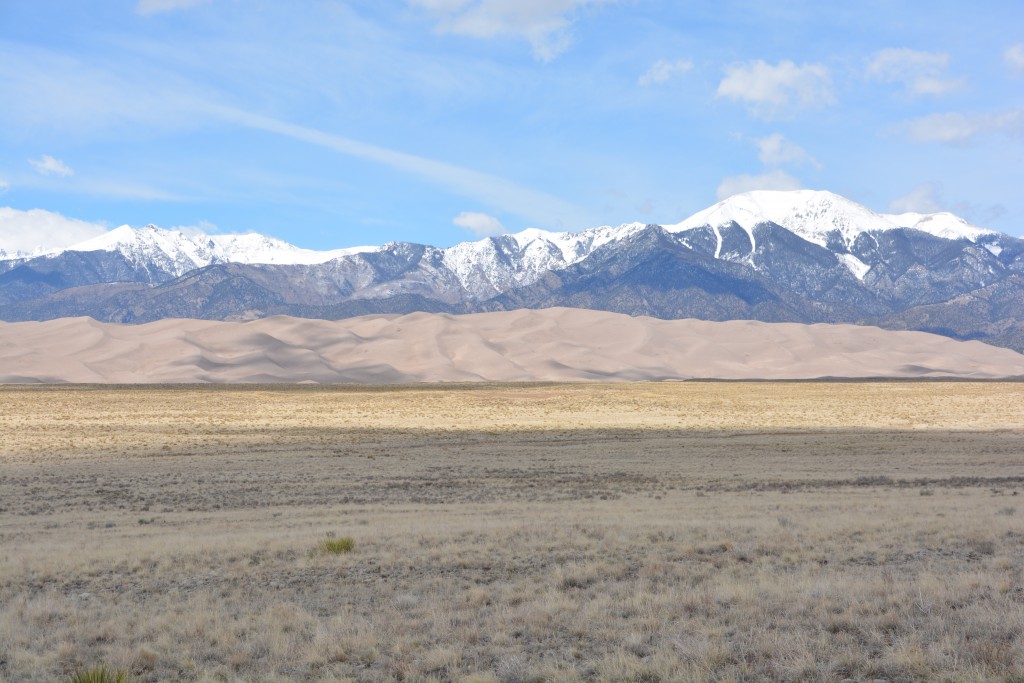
331, 124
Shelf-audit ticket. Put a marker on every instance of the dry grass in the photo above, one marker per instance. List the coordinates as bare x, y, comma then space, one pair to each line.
520, 533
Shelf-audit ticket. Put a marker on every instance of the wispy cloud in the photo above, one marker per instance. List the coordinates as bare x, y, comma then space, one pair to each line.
543, 23
498, 192
929, 198
772, 180
961, 128
157, 6
480, 224
777, 91
45, 90
122, 189
36, 229
776, 150
922, 199
1013, 56
47, 165
4, 186
920, 73
663, 70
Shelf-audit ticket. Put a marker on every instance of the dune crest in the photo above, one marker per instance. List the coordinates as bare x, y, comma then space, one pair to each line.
557, 344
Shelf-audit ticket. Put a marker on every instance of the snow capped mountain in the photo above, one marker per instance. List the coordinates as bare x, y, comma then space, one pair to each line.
175, 252
494, 264
482, 269
814, 215
827, 220
942, 224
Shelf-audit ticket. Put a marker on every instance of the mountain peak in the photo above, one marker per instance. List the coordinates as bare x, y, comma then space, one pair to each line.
815, 214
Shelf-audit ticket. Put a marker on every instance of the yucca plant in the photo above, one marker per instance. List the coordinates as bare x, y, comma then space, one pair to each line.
99, 674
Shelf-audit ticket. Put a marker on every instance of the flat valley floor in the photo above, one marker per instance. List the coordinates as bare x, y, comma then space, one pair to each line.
514, 533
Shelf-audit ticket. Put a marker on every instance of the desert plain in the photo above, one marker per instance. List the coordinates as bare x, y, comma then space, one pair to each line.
683, 531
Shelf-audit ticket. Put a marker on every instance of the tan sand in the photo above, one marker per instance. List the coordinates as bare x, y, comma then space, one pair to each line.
557, 344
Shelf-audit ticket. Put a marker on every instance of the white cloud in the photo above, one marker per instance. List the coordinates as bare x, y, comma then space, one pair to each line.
960, 128
1014, 58
776, 150
662, 70
27, 231
155, 6
479, 224
772, 180
921, 73
4, 186
543, 23
777, 91
47, 165
922, 199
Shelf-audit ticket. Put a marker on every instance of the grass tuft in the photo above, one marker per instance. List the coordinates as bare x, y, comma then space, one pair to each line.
337, 546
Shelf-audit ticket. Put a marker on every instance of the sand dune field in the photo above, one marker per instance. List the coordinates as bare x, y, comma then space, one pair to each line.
526, 345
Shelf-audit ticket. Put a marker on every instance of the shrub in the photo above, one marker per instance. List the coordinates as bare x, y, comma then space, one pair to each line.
99, 674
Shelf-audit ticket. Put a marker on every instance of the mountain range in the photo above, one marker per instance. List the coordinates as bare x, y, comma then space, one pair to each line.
799, 256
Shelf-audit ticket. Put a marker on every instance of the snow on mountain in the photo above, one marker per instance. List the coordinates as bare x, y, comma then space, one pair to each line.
483, 268
810, 214
176, 252
496, 264
815, 214
256, 248
942, 224
19, 254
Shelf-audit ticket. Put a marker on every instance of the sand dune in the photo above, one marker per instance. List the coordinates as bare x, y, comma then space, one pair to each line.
552, 344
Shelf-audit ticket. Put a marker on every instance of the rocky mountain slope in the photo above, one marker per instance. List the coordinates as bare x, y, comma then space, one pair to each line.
802, 256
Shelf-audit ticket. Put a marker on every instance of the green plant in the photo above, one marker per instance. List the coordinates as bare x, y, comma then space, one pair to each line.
99, 674
337, 546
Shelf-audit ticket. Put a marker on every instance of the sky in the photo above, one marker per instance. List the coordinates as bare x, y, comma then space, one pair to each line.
330, 124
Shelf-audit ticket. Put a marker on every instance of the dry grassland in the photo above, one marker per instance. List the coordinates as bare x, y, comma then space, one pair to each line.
648, 532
